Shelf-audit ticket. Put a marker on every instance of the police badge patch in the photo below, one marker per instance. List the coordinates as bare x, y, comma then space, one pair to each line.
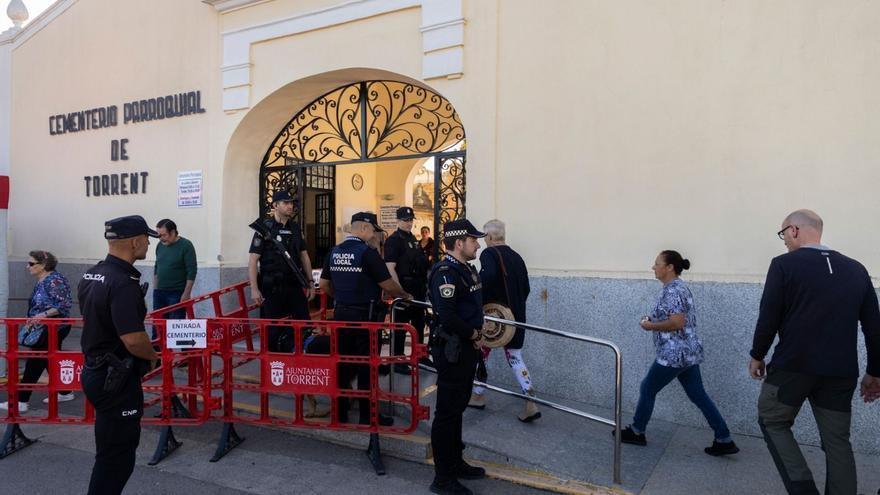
447, 290
257, 241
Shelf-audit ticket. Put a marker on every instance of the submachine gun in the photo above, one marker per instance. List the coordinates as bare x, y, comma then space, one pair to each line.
263, 231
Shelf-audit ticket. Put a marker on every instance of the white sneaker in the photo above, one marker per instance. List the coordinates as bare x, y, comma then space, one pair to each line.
22, 406
61, 398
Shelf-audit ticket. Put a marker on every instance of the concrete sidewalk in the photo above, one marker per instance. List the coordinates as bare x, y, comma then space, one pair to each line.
570, 448
567, 454
558, 452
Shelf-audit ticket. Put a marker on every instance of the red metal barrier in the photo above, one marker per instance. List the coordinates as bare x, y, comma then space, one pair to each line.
299, 374
64, 372
284, 379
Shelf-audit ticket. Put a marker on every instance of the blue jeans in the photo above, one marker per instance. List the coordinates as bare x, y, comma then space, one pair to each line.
658, 377
168, 297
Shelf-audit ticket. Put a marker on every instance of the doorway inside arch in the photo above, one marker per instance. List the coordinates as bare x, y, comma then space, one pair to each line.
368, 146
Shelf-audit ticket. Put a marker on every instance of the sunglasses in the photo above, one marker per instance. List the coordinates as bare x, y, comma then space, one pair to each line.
32, 263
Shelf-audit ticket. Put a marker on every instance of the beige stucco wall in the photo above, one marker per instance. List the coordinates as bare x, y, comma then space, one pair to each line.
629, 127
100, 53
601, 132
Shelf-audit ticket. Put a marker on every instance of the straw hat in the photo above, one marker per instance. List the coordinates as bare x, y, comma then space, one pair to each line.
497, 334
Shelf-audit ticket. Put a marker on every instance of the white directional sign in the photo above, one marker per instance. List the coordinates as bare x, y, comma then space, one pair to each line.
186, 334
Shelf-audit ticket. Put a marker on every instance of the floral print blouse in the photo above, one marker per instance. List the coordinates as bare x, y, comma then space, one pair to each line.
51, 292
681, 348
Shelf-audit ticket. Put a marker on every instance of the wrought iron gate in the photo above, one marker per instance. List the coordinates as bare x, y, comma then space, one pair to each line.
366, 122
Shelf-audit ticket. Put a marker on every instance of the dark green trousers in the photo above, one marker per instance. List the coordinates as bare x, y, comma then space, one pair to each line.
782, 395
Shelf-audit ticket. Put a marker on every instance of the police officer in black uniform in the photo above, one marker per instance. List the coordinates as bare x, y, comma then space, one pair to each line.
275, 287
117, 351
355, 276
456, 297
409, 267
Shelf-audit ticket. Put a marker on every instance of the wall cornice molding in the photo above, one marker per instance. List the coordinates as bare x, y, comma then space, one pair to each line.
224, 6
442, 31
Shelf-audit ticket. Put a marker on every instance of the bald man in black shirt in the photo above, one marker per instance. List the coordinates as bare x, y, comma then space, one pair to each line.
814, 300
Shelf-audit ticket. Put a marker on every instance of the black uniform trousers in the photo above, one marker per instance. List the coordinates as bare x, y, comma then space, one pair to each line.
34, 367
353, 342
117, 430
414, 315
286, 300
454, 384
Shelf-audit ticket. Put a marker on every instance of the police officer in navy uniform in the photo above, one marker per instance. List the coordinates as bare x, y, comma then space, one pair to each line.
117, 351
355, 276
457, 300
409, 267
275, 288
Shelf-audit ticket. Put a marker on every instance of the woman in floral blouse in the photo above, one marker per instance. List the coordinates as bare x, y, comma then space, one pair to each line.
673, 325
50, 299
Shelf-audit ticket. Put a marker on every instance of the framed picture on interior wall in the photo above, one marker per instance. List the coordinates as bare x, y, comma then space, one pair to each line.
423, 194
357, 182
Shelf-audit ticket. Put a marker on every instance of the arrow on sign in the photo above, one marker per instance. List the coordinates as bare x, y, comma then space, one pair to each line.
185, 342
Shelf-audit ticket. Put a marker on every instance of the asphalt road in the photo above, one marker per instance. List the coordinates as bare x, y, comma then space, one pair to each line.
268, 462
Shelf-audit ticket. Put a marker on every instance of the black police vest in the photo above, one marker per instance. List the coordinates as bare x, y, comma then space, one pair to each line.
274, 270
351, 285
413, 264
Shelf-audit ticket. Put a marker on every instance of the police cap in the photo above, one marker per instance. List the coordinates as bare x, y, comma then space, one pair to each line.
460, 228
125, 227
370, 218
281, 195
405, 213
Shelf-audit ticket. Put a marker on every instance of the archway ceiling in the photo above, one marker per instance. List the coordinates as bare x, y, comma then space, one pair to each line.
370, 120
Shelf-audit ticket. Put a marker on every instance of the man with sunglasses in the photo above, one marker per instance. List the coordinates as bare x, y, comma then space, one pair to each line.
814, 299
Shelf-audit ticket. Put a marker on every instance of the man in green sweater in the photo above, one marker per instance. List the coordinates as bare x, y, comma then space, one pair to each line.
175, 270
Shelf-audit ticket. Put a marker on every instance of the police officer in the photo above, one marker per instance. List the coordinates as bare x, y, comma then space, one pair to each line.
275, 288
409, 267
117, 351
456, 297
355, 276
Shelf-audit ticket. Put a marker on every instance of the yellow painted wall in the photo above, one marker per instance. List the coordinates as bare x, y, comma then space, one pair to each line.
108, 52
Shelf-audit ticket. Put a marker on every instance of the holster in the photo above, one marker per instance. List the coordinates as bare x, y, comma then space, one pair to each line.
118, 372
450, 343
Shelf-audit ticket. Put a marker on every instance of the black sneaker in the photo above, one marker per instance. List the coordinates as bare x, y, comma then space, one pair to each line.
627, 435
450, 487
467, 472
384, 369
721, 448
401, 369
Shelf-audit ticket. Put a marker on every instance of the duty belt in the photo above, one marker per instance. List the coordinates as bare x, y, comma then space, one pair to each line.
355, 307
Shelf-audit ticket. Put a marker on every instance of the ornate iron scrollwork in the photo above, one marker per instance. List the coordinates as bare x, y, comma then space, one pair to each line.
327, 130
368, 120
404, 119
451, 190
284, 179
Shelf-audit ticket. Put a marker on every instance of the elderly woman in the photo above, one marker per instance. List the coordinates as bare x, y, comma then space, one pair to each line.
50, 299
673, 325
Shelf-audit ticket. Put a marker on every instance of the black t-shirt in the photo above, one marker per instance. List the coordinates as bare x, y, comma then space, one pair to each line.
403, 248
397, 244
112, 304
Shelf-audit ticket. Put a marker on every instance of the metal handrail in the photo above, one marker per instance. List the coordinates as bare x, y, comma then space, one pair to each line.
618, 376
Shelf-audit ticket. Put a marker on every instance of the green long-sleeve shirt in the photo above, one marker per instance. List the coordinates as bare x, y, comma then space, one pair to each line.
175, 264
